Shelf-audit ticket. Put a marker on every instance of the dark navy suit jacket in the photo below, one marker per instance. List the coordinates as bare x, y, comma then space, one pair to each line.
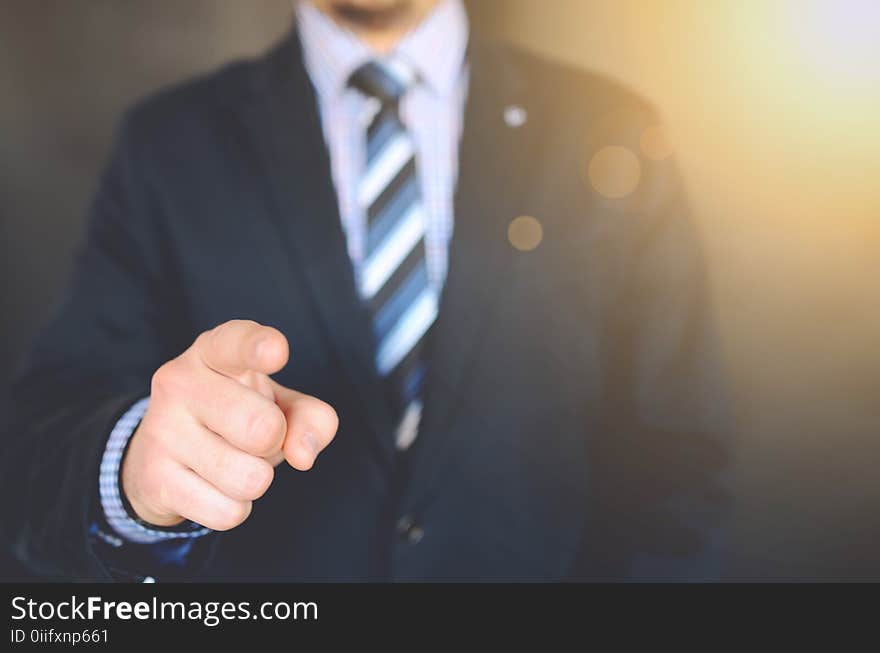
574, 414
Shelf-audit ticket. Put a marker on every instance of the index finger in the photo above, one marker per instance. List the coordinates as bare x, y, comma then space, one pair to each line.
241, 346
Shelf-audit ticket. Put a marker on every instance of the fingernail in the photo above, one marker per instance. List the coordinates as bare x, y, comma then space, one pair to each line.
311, 442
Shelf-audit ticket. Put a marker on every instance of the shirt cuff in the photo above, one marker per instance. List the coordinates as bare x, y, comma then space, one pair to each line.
123, 524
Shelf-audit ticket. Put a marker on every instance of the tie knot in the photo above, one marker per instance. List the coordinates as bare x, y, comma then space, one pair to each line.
385, 83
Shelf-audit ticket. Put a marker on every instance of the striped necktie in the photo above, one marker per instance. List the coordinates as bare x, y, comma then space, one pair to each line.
394, 275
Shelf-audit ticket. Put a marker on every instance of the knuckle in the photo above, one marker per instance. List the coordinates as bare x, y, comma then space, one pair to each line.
210, 341
161, 379
230, 325
204, 337
203, 342
169, 380
264, 429
216, 332
214, 338
230, 514
256, 479
222, 328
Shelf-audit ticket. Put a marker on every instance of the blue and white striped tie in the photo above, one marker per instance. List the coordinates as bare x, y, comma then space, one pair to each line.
394, 276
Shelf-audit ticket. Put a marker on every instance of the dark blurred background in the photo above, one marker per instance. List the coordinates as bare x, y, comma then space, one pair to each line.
776, 130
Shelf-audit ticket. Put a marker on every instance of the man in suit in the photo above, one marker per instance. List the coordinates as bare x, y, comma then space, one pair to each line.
375, 307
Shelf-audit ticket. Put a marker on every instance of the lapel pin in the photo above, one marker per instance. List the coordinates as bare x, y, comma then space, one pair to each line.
515, 115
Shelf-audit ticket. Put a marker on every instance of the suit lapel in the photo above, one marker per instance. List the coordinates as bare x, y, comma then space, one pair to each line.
494, 151
289, 136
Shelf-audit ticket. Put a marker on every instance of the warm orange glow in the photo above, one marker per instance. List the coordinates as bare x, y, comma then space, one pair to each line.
773, 107
773, 104
774, 111
656, 143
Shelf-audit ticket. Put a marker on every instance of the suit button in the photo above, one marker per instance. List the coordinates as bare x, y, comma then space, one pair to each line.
409, 530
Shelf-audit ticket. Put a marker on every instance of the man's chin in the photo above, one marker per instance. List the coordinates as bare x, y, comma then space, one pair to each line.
372, 15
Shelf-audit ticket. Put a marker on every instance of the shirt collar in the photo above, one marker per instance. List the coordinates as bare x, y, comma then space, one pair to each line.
435, 49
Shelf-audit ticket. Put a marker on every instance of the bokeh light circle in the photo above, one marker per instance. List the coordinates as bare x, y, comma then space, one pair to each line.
525, 233
614, 172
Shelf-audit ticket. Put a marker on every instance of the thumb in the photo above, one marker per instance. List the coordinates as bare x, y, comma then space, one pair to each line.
240, 346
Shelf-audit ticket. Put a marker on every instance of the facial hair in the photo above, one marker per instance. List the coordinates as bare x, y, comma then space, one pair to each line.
358, 16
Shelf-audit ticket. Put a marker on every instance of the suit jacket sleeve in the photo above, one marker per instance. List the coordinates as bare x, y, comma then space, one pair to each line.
89, 365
